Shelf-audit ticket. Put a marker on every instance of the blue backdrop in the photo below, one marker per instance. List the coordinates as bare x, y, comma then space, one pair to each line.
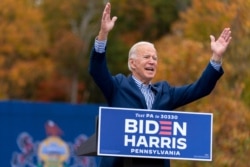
24, 126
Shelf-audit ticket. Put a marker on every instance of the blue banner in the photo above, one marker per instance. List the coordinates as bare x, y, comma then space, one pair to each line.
155, 134
45, 134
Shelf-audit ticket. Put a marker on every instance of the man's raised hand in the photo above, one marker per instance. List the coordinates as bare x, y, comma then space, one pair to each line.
107, 23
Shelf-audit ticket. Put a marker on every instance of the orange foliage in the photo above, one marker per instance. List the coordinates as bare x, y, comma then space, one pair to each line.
57, 88
23, 41
205, 18
180, 60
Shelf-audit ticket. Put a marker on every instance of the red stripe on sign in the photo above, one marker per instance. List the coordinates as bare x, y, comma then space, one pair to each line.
165, 133
165, 122
166, 127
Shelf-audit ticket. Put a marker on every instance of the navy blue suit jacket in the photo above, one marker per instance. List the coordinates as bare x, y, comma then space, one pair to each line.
122, 91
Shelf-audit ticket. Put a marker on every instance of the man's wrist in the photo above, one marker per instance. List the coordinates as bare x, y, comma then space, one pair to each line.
216, 61
102, 36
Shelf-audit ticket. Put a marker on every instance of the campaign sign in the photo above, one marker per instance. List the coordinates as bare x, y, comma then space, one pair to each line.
159, 134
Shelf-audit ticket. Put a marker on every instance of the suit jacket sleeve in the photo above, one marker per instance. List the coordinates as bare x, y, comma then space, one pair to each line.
99, 71
202, 87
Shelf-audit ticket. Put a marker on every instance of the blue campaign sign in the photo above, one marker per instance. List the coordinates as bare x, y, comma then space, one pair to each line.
144, 133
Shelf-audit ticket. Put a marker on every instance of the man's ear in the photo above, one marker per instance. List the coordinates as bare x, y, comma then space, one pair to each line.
132, 63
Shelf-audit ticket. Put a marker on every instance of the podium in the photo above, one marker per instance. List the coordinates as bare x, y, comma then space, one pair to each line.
89, 148
149, 138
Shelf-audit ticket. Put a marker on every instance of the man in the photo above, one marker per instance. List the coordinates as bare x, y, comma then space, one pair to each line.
136, 90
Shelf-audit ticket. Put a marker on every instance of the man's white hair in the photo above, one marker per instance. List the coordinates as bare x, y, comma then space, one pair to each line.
133, 49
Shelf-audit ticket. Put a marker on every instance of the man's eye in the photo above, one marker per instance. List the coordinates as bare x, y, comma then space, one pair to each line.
148, 57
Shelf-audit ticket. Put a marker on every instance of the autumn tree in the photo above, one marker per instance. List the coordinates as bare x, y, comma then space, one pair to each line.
23, 40
71, 26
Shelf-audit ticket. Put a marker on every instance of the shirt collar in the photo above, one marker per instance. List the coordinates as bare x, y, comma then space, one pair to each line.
140, 84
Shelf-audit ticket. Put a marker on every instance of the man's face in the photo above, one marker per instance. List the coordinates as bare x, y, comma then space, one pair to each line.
145, 63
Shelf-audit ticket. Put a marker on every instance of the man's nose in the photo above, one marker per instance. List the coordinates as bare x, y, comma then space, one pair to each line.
152, 60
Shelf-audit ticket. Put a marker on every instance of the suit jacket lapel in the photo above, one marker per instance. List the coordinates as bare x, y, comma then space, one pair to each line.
156, 91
